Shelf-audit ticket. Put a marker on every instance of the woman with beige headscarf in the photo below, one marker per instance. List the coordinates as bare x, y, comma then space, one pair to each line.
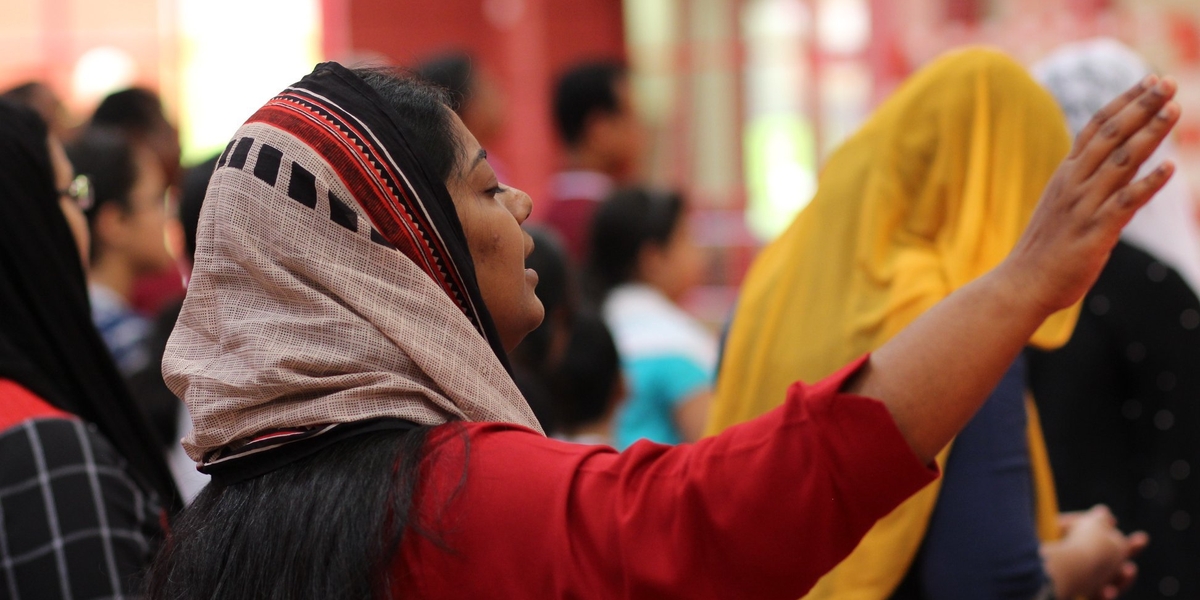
342, 351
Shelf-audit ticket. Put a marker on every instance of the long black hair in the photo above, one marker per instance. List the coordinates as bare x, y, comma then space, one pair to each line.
452, 72
328, 525
624, 224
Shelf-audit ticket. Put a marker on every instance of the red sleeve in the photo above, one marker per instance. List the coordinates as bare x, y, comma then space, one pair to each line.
760, 511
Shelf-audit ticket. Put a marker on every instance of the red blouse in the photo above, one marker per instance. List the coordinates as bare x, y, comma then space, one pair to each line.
760, 511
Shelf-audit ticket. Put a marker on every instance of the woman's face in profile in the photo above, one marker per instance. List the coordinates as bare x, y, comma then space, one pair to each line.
491, 215
63, 174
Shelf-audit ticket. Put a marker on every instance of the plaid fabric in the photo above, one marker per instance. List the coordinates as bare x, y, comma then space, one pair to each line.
73, 524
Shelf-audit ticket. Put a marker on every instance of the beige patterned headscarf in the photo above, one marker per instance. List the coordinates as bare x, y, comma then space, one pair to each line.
332, 281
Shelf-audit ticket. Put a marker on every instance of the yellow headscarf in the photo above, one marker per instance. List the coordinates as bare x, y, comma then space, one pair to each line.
932, 192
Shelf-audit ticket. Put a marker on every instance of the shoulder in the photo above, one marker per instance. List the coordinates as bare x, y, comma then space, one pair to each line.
645, 323
73, 513
1130, 266
501, 460
500, 442
45, 443
32, 431
37, 439
18, 404
1139, 290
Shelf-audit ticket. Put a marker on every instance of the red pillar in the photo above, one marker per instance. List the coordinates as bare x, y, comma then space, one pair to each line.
529, 149
335, 28
524, 43
56, 43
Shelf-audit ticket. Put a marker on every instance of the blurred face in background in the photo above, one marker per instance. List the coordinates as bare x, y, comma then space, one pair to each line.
135, 233
619, 137
163, 141
674, 268
146, 219
484, 113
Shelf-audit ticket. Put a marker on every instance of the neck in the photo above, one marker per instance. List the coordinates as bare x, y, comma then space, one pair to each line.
655, 284
116, 275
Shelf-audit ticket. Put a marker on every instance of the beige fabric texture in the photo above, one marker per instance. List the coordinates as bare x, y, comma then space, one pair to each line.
292, 320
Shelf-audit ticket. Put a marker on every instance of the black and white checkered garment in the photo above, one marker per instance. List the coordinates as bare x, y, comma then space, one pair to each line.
73, 524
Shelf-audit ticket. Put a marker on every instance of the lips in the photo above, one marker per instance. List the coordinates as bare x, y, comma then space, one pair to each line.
529, 245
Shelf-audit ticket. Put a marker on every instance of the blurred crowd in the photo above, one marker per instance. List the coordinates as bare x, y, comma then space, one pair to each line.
618, 359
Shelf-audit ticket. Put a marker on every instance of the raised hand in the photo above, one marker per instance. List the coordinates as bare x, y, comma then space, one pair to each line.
1092, 195
936, 373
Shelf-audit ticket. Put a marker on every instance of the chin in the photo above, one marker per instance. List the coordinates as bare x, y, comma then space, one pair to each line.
531, 321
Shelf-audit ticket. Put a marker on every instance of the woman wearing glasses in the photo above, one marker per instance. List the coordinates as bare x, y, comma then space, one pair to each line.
82, 481
127, 222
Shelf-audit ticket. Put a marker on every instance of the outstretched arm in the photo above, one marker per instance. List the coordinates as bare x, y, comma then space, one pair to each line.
936, 373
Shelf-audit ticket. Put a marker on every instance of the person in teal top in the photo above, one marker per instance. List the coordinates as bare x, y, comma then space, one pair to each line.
642, 261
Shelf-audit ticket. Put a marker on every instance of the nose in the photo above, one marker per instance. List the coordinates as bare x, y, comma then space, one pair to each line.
519, 204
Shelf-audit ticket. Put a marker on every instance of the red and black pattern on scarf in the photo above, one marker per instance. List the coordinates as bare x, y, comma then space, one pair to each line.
270, 450
379, 186
351, 127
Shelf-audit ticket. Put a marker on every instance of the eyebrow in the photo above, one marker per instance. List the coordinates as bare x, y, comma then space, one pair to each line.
482, 155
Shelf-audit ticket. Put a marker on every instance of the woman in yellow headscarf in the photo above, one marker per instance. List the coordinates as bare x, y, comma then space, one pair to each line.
932, 192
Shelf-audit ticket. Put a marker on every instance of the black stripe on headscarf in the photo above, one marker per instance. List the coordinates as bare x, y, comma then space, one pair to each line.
48, 343
360, 101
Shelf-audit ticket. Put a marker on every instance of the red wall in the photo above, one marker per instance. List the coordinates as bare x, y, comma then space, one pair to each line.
523, 43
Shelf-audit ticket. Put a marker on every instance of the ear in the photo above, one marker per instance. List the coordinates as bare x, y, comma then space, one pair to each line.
597, 129
108, 226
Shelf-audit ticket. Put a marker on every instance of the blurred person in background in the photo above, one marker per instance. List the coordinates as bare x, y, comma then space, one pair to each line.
127, 223
642, 261
540, 354
603, 140
166, 410
82, 479
588, 386
933, 191
343, 353
44, 101
474, 95
138, 113
1120, 403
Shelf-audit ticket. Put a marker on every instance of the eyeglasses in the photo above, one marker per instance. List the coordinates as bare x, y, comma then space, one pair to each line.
80, 191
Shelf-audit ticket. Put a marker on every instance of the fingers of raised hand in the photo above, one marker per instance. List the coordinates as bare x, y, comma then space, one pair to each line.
1126, 159
1110, 129
1110, 109
1120, 206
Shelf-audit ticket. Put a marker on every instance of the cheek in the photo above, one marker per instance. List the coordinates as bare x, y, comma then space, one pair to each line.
79, 229
485, 244
152, 238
